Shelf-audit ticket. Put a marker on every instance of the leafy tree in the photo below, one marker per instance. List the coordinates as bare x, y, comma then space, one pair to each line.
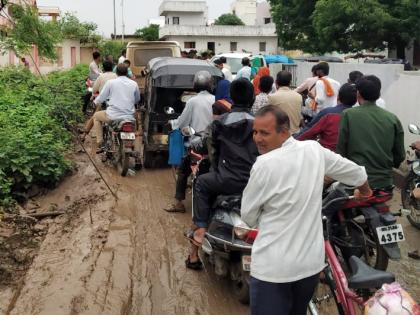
28, 30
228, 19
148, 33
112, 47
72, 28
347, 25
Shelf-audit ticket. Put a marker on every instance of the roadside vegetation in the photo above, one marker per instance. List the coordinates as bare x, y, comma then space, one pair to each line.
36, 117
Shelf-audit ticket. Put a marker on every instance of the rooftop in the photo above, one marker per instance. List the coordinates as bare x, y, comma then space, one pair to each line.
217, 30
182, 6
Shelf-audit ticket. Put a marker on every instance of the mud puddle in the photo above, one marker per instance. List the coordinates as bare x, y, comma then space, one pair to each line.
127, 256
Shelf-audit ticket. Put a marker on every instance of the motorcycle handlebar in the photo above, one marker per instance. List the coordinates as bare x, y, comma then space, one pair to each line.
335, 200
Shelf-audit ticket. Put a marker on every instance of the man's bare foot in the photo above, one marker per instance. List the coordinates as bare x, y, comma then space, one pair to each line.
199, 235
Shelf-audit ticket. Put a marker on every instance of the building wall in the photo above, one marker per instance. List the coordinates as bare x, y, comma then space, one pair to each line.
222, 44
263, 12
246, 10
187, 18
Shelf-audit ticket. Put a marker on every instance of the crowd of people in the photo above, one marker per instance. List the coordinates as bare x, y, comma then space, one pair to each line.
257, 147
277, 146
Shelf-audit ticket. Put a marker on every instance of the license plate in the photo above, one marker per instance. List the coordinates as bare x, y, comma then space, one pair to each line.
128, 135
390, 234
246, 263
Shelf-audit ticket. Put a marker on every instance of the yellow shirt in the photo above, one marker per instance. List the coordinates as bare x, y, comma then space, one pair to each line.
291, 103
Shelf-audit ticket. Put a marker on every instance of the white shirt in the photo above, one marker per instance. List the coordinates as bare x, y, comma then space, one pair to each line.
197, 113
321, 98
227, 74
380, 102
123, 93
244, 72
94, 71
121, 60
284, 198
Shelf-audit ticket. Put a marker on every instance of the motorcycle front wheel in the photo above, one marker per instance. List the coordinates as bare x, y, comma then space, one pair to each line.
409, 202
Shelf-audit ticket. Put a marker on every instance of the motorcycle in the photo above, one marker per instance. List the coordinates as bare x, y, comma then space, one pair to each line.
119, 138
90, 105
410, 192
366, 229
228, 241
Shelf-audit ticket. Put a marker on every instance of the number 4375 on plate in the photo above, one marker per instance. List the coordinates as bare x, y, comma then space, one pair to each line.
390, 234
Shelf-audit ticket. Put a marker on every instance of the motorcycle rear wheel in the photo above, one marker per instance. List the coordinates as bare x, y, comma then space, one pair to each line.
406, 198
123, 162
381, 259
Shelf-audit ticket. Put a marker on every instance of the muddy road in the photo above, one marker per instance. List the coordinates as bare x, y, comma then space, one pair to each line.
126, 256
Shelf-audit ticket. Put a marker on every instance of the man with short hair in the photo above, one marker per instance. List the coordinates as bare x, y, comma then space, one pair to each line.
265, 87
104, 77
283, 199
233, 154
324, 126
222, 66
122, 95
245, 71
326, 89
94, 70
371, 136
354, 76
287, 100
123, 56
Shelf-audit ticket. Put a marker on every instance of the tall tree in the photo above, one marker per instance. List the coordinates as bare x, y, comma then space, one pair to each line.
149, 33
72, 28
228, 19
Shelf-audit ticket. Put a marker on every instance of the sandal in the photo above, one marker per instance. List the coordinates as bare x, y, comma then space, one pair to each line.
197, 265
414, 254
189, 235
173, 209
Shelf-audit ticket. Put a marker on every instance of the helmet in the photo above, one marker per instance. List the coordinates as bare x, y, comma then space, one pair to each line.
202, 81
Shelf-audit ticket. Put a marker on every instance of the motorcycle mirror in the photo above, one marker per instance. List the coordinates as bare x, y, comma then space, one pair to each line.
188, 131
414, 129
169, 110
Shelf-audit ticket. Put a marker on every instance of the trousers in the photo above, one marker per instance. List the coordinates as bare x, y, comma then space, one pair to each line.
290, 298
98, 119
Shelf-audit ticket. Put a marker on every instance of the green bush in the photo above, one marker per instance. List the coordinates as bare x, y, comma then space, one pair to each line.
34, 135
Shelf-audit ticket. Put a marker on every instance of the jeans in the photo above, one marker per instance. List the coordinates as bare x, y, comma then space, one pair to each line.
290, 298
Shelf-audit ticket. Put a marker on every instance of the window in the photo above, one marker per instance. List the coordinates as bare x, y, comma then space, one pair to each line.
267, 20
168, 21
175, 20
143, 56
233, 46
263, 46
189, 45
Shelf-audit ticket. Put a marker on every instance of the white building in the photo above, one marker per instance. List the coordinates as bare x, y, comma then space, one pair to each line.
186, 23
246, 10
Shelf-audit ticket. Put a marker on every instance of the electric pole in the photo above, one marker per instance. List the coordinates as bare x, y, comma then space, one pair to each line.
122, 17
115, 22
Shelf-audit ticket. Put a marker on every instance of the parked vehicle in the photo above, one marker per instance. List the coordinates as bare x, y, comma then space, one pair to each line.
366, 229
119, 137
169, 85
141, 52
347, 292
234, 61
410, 192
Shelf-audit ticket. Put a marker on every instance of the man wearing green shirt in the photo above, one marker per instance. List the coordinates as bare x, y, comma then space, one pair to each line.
371, 136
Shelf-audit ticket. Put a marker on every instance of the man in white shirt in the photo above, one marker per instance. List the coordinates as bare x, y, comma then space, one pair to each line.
123, 94
323, 87
283, 199
354, 76
245, 71
226, 69
122, 57
94, 70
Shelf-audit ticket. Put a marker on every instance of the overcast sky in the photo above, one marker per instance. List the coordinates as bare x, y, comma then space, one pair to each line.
136, 12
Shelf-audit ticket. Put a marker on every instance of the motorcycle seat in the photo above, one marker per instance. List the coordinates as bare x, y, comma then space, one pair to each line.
366, 277
228, 201
116, 125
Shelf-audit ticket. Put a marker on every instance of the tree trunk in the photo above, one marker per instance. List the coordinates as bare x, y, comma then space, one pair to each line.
400, 50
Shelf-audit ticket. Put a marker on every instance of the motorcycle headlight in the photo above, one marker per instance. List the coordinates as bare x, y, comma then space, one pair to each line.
416, 167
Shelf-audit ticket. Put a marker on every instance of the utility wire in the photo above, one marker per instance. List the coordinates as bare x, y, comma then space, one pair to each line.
72, 128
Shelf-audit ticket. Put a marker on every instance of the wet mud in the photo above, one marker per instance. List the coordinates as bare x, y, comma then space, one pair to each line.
126, 256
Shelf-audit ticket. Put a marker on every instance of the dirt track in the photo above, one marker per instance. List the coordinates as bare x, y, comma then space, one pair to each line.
130, 260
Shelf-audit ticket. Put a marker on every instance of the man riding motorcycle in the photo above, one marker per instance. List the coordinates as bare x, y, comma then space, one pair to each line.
197, 114
234, 153
123, 95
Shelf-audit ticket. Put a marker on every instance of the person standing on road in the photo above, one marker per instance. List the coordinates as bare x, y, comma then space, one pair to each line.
371, 136
197, 114
284, 203
226, 69
265, 87
245, 71
287, 100
94, 70
123, 56
122, 95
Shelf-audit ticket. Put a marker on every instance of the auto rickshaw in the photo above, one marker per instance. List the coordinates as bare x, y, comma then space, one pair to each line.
168, 86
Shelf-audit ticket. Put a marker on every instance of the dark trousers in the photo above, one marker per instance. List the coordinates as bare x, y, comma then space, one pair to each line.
86, 100
291, 298
207, 187
183, 172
